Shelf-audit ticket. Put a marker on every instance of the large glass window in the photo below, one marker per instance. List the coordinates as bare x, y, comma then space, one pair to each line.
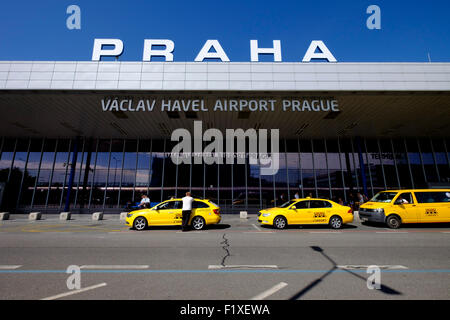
321, 169
307, 167
415, 161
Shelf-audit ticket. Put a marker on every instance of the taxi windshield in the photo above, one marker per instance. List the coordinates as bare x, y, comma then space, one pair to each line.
384, 197
287, 204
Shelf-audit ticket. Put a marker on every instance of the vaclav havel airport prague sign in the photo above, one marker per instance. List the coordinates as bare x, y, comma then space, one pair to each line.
218, 105
210, 50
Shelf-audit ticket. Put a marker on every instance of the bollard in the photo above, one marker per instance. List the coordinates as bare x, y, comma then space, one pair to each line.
34, 216
97, 216
123, 216
65, 216
4, 215
243, 214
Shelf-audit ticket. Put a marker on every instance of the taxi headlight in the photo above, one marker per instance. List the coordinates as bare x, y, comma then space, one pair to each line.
266, 214
378, 210
129, 214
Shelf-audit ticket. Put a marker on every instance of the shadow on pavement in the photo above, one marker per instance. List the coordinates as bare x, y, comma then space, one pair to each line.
178, 228
311, 227
435, 225
383, 288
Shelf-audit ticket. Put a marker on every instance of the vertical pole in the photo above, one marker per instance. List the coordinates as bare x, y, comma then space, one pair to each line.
342, 170
72, 174
314, 167
121, 173
435, 160
368, 167
38, 174
300, 167
93, 174
328, 170
382, 165
23, 173
362, 166
51, 175
395, 163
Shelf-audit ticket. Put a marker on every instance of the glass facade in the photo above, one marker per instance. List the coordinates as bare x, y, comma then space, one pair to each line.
86, 174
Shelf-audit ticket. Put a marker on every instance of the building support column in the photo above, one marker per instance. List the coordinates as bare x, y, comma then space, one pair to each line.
362, 166
72, 174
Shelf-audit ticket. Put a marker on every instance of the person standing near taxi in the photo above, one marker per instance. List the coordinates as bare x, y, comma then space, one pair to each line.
186, 211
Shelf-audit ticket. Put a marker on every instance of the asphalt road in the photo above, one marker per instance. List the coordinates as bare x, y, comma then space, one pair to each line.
237, 259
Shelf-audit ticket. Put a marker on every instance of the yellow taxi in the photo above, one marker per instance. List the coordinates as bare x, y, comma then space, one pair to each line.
306, 211
395, 207
168, 213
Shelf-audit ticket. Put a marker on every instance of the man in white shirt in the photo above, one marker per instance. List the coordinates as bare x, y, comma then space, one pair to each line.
186, 210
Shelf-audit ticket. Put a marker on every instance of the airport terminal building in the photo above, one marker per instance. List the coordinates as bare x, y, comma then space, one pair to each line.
95, 136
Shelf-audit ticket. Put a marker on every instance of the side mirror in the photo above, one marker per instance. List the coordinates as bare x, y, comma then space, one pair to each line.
292, 208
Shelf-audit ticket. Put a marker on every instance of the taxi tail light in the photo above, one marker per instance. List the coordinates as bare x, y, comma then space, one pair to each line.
350, 211
216, 211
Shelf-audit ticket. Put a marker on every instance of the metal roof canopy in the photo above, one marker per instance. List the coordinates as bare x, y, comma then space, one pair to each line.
68, 113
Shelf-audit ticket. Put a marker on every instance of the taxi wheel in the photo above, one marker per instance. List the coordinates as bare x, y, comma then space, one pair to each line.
140, 223
335, 222
280, 222
198, 223
393, 222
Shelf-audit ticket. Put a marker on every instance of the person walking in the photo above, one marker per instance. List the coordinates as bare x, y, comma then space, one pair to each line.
186, 211
297, 196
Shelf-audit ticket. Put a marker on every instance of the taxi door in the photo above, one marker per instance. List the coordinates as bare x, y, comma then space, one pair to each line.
406, 209
299, 213
165, 213
433, 206
200, 208
320, 211
177, 214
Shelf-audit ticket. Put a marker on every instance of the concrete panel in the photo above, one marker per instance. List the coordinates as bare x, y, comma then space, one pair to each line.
128, 84
107, 84
35, 216
108, 76
123, 216
152, 76
83, 85
196, 67
16, 84
109, 67
4, 216
130, 67
63, 75
61, 84
39, 84
20, 67
214, 76
85, 76
87, 67
41, 75
197, 76
96, 216
195, 85
65, 67
130, 76
177, 76
151, 85
65, 216
152, 67
43, 67
19, 75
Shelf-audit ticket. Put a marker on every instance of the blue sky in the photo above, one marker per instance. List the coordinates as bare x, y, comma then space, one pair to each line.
36, 30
